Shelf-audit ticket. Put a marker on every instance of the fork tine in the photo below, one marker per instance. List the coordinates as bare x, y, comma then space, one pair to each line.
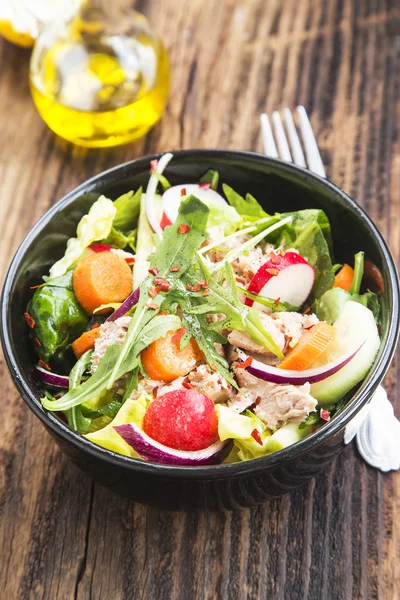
281, 137
310, 143
268, 137
295, 145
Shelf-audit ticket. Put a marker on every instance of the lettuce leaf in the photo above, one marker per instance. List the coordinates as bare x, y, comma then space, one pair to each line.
93, 227
127, 210
247, 207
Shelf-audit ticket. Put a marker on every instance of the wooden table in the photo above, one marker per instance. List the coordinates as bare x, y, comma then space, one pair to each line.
63, 537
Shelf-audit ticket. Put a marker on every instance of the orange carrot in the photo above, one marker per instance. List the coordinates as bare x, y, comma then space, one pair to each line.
101, 278
344, 278
163, 359
311, 345
85, 342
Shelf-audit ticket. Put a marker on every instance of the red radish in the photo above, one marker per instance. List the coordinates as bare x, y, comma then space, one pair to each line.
183, 420
150, 197
172, 198
287, 277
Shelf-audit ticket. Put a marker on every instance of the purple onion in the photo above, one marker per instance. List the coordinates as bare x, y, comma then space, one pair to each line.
155, 452
53, 379
131, 301
276, 375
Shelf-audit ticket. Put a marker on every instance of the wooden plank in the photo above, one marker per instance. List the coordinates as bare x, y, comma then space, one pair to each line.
337, 538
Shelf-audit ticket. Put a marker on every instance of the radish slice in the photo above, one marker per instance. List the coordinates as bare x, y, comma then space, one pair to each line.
52, 378
151, 205
288, 277
276, 375
173, 197
131, 301
153, 451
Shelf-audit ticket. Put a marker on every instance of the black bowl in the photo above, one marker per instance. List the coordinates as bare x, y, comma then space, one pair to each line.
279, 187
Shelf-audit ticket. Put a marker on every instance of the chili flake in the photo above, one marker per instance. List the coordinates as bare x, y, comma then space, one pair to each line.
272, 271
44, 365
164, 286
255, 434
193, 288
276, 302
183, 192
152, 305
154, 391
153, 292
274, 258
179, 335
95, 326
205, 293
37, 342
307, 310
30, 322
245, 364
174, 269
154, 271
183, 228
130, 260
188, 385
203, 283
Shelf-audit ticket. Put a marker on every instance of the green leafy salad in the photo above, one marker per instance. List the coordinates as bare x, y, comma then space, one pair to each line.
185, 325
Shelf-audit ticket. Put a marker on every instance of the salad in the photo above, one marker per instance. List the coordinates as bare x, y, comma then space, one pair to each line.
185, 325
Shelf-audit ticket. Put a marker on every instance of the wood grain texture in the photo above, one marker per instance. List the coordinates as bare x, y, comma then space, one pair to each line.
62, 537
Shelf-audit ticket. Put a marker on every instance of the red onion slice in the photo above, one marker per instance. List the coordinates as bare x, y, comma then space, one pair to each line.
276, 375
52, 378
127, 304
153, 451
151, 212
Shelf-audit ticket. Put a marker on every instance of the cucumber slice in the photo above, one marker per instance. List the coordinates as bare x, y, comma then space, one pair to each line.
286, 436
355, 326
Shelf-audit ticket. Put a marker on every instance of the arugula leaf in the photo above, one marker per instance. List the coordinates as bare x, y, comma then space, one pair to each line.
59, 319
128, 207
247, 207
76, 419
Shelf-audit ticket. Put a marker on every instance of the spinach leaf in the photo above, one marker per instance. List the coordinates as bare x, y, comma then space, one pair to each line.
247, 207
128, 207
58, 317
309, 233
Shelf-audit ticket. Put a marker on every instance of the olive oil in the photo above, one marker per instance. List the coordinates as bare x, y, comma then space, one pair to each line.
98, 89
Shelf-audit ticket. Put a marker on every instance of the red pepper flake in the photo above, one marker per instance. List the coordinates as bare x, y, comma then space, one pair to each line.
325, 414
183, 192
250, 273
188, 385
205, 185
37, 342
193, 288
276, 302
154, 271
239, 280
245, 364
214, 367
164, 286
205, 293
42, 364
154, 391
258, 400
153, 292
158, 280
174, 269
36, 287
152, 305
29, 321
179, 335
272, 271
162, 313
95, 326
282, 252
307, 310
312, 428
255, 434
203, 283
130, 260
307, 328
183, 228
153, 166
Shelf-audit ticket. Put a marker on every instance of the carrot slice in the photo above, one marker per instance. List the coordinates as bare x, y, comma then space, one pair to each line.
85, 342
344, 277
310, 347
163, 360
100, 279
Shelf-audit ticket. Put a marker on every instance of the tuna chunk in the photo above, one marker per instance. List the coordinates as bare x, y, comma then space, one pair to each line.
292, 324
156, 388
211, 384
111, 332
240, 339
276, 405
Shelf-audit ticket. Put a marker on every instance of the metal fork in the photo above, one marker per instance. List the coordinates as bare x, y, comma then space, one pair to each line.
378, 440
